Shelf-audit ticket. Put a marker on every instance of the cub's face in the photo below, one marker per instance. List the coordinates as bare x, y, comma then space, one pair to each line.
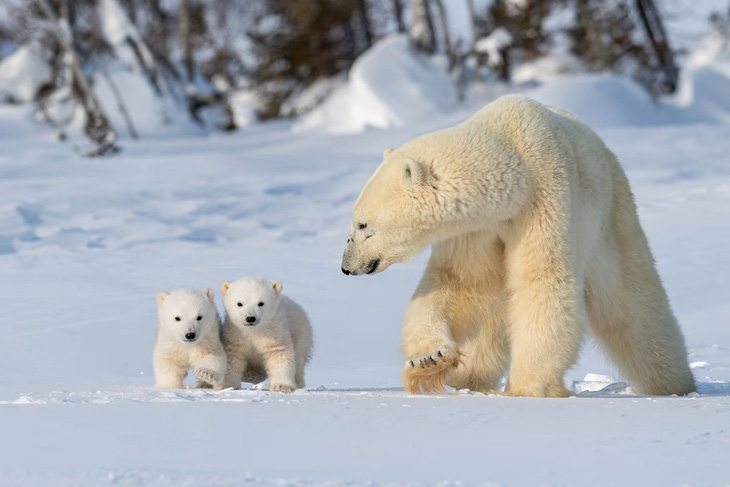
251, 301
389, 222
186, 315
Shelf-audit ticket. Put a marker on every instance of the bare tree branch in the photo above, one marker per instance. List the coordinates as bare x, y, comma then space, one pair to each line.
652, 21
97, 126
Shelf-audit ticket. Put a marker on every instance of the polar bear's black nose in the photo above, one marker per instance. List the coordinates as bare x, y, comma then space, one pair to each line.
190, 336
250, 319
345, 271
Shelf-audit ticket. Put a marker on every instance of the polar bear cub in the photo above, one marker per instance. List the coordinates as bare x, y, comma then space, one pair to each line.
264, 333
188, 337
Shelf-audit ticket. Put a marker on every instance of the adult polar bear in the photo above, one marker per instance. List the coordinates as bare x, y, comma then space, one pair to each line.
535, 236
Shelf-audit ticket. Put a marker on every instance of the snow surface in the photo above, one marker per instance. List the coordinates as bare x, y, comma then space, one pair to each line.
86, 243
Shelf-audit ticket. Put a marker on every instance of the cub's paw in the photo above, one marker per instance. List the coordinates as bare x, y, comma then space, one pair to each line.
427, 374
285, 388
208, 376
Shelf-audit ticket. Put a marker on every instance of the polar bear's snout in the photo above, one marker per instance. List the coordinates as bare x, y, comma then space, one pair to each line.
369, 268
353, 261
190, 336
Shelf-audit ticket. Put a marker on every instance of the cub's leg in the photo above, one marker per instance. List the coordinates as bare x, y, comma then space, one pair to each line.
168, 374
235, 365
547, 312
299, 373
279, 362
209, 366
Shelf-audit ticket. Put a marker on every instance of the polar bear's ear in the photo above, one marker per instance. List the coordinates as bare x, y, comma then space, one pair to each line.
224, 287
414, 173
209, 292
277, 286
388, 151
161, 297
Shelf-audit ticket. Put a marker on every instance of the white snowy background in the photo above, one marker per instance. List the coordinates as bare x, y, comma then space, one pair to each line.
86, 243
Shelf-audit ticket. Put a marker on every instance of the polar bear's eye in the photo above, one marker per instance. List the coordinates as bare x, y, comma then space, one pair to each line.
177, 318
199, 318
239, 304
261, 304
362, 226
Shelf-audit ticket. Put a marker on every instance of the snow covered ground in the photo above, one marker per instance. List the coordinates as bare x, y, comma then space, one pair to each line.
86, 243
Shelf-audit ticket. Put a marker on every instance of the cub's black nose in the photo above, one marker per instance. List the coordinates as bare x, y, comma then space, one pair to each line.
190, 336
250, 319
345, 271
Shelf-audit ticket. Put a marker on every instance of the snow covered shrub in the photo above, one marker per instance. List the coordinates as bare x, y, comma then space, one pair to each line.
607, 36
297, 42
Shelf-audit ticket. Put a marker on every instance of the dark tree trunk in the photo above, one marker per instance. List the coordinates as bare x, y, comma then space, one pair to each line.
398, 11
447, 35
652, 21
422, 33
367, 29
476, 35
185, 39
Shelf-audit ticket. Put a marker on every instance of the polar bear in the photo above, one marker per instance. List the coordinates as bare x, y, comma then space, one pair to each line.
535, 238
188, 336
264, 334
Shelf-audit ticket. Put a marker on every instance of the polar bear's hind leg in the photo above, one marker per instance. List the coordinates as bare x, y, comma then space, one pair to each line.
629, 310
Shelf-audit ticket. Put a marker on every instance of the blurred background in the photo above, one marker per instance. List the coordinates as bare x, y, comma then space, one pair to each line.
110, 70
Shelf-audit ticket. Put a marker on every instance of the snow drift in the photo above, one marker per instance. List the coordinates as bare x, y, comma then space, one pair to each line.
705, 82
388, 86
23, 74
606, 100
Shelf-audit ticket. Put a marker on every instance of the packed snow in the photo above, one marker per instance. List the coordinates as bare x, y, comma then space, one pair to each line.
85, 244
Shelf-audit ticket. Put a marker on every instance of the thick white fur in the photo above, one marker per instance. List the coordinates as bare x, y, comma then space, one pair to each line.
278, 344
173, 355
535, 239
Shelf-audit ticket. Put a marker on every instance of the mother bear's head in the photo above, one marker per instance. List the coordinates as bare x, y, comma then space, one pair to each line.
393, 217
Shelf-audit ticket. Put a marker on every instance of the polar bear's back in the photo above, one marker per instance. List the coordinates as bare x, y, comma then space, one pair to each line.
567, 162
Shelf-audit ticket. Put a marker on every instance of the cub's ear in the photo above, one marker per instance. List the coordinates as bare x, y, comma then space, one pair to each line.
161, 298
388, 151
277, 286
224, 287
414, 173
209, 292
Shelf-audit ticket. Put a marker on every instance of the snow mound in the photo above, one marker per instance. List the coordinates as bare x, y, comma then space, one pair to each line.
22, 74
606, 100
388, 86
547, 68
704, 86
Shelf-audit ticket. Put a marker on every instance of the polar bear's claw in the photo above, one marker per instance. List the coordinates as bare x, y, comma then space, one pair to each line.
430, 375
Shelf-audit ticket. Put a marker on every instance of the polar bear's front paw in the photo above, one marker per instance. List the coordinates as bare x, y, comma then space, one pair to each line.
285, 388
427, 374
208, 376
